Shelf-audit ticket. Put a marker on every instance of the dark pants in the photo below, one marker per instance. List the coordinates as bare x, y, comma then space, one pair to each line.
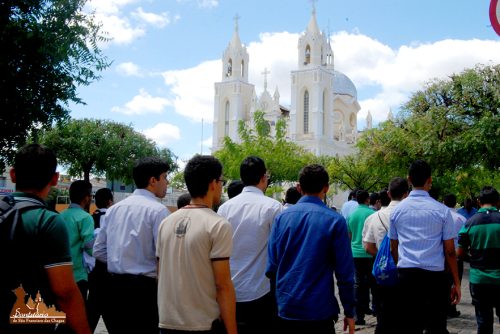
423, 299
257, 316
302, 326
83, 286
388, 310
132, 304
363, 283
96, 299
217, 328
485, 298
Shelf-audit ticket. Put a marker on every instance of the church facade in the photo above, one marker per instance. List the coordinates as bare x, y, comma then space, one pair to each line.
322, 116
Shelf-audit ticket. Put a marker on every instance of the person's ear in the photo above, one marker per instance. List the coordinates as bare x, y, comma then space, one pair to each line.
54, 180
12, 173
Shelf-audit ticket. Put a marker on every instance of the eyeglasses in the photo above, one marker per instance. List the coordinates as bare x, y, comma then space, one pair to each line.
224, 181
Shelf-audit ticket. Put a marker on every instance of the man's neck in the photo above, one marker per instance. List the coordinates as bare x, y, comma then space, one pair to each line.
202, 201
43, 194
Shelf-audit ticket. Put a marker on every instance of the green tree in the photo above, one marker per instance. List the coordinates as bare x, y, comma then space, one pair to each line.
453, 124
49, 48
88, 146
283, 158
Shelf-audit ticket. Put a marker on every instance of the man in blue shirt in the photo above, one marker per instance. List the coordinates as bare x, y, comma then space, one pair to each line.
308, 244
422, 238
468, 210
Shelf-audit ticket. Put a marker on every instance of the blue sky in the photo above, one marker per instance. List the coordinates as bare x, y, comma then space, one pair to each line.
166, 55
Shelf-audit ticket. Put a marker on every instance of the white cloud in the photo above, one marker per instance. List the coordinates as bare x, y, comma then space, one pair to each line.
393, 74
163, 133
129, 69
193, 89
208, 3
142, 104
157, 20
119, 29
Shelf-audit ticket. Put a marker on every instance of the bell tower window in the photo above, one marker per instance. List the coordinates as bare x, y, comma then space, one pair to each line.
242, 68
306, 112
307, 59
226, 119
229, 71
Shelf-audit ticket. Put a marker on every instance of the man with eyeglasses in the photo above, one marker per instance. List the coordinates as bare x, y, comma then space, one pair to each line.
251, 215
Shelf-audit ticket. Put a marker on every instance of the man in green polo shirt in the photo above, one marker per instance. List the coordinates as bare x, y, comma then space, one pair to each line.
480, 239
41, 261
363, 262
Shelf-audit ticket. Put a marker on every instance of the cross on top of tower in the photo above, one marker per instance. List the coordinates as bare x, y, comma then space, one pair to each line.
265, 73
236, 18
313, 4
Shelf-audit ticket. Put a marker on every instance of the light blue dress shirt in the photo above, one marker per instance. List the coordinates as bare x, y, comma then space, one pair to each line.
127, 240
420, 224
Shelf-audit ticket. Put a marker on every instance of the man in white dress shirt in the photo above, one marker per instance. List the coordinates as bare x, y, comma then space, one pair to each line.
127, 243
251, 215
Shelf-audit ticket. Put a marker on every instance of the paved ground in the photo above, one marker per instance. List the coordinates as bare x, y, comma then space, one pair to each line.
464, 324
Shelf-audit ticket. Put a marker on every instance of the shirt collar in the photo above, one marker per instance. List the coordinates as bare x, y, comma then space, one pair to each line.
252, 189
419, 193
74, 206
311, 199
487, 209
144, 192
28, 195
393, 204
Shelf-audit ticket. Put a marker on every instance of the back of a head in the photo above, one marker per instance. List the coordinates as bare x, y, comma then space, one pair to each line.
292, 195
102, 197
78, 190
419, 172
313, 178
450, 200
398, 187
385, 200
34, 166
235, 188
251, 170
489, 195
183, 200
146, 168
200, 171
352, 194
374, 197
362, 196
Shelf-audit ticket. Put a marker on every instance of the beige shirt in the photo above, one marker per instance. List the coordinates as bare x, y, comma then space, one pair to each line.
188, 241
377, 224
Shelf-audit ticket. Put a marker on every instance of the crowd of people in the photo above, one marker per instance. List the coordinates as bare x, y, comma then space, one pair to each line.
255, 264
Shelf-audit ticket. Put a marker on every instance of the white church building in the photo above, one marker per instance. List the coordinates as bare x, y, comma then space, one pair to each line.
322, 116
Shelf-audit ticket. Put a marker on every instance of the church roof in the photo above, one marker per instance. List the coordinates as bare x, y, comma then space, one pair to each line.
342, 85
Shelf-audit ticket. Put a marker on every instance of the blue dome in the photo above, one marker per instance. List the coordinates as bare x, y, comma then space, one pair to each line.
342, 85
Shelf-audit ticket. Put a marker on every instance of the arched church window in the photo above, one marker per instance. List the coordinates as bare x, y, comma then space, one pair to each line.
325, 113
307, 55
306, 112
229, 68
242, 68
226, 119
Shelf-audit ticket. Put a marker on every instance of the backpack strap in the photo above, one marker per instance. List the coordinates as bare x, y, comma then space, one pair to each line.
378, 215
16, 206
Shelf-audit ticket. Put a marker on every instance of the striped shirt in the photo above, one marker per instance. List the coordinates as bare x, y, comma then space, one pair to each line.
420, 224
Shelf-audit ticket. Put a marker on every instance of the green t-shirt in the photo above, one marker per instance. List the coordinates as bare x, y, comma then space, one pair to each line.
80, 225
480, 236
41, 243
355, 223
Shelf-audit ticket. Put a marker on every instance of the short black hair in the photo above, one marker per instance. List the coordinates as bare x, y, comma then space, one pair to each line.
252, 169
362, 196
488, 195
374, 197
235, 188
199, 172
183, 200
102, 197
78, 190
146, 168
398, 187
292, 195
313, 178
419, 172
450, 200
385, 200
34, 165
352, 194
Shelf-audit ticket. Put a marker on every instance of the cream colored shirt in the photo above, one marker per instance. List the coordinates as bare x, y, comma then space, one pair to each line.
188, 241
377, 225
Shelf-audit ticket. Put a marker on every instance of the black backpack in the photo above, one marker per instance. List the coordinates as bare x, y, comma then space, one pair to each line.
10, 224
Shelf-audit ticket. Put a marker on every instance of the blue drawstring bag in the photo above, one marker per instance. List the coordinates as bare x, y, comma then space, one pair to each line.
385, 270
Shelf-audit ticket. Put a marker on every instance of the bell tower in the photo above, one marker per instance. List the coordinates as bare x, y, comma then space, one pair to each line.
233, 95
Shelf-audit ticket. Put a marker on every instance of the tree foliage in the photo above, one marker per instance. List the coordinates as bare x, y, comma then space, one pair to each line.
453, 124
98, 147
48, 48
283, 158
